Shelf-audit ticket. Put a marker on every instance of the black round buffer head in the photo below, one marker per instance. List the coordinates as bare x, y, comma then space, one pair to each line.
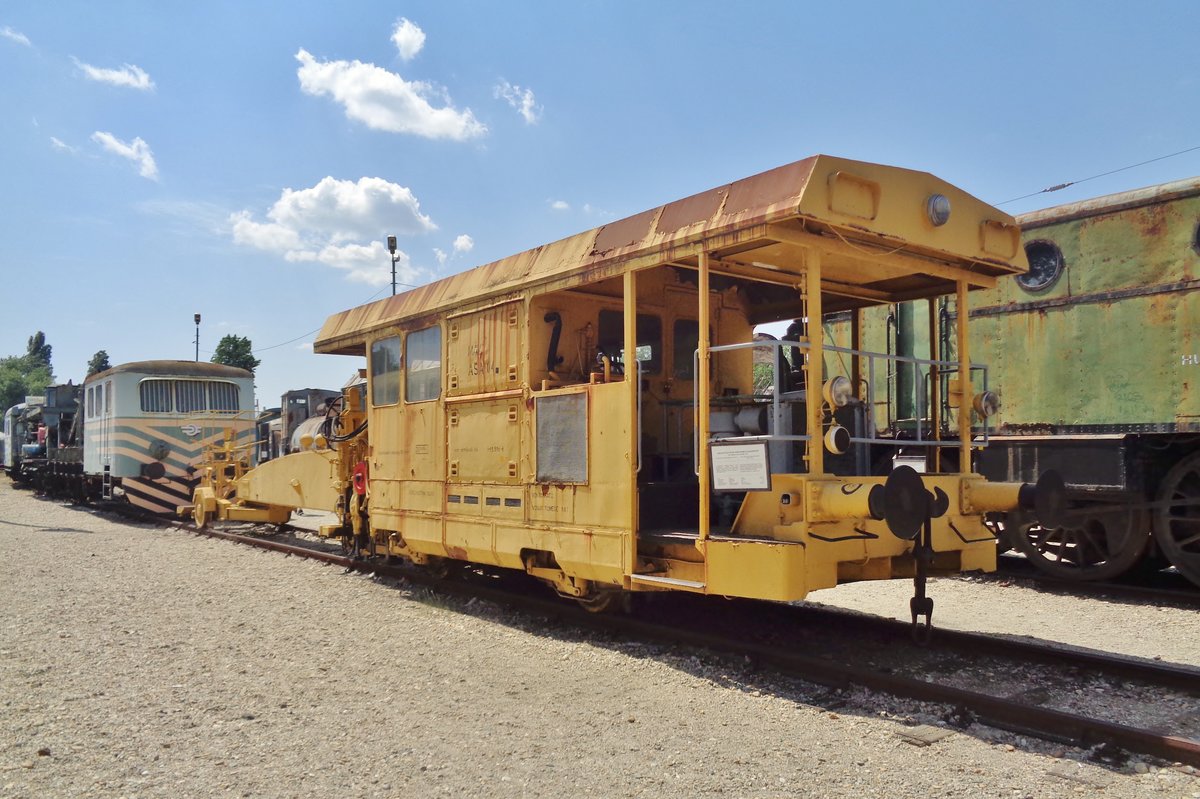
1047, 499
906, 503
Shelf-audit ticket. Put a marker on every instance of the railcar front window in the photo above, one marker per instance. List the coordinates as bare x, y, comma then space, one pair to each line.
108, 396
189, 396
155, 396
649, 339
385, 371
99, 398
91, 402
685, 338
423, 365
223, 397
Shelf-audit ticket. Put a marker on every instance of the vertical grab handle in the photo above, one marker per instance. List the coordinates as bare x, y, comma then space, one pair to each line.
637, 371
696, 412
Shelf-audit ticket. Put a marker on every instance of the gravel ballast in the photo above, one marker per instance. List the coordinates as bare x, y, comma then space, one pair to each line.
138, 661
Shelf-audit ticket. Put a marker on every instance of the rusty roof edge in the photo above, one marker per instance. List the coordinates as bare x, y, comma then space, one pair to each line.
1111, 203
339, 343
335, 338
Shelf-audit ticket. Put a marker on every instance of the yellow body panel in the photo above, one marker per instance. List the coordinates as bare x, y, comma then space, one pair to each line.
300, 480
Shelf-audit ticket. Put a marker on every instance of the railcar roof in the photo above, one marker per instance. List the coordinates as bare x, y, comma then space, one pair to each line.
868, 221
175, 369
1111, 203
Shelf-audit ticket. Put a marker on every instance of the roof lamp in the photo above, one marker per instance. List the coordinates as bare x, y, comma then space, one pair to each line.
937, 207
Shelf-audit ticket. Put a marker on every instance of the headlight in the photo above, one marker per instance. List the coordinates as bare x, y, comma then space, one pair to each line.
837, 439
837, 391
987, 403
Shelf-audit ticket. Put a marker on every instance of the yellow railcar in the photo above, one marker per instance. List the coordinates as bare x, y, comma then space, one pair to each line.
506, 422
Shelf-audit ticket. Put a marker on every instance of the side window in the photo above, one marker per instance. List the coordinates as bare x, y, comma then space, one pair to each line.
1045, 265
91, 402
685, 338
385, 371
155, 396
423, 365
611, 339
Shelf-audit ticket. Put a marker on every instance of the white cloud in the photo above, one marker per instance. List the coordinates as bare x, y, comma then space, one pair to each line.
408, 38
62, 146
464, 243
12, 35
440, 255
520, 99
129, 75
340, 223
560, 205
383, 100
137, 151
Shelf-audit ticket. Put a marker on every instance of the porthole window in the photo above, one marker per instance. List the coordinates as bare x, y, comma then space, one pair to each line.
1045, 266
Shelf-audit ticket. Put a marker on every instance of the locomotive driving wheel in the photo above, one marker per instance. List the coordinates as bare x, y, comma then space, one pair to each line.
1096, 542
1177, 517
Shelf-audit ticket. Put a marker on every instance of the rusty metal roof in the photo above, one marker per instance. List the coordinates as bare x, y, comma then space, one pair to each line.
802, 200
1111, 203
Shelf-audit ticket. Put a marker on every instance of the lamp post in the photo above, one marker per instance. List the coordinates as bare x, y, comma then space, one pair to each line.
197, 318
392, 249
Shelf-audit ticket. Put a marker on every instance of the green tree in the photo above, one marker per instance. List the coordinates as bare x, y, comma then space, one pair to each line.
236, 351
98, 363
39, 351
25, 375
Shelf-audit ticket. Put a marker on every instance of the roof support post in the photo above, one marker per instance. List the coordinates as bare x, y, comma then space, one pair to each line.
632, 378
816, 360
962, 312
703, 393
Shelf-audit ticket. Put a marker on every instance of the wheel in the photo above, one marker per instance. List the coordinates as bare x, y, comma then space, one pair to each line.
199, 515
998, 525
606, 602
1100, 542
1177, 517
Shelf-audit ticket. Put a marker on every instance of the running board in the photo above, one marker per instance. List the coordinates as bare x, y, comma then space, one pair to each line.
667, 582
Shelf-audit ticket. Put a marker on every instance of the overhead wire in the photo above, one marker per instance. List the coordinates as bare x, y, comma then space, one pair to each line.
1062, 186
317, 330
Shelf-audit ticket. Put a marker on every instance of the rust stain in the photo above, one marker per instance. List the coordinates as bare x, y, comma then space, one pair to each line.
458, 553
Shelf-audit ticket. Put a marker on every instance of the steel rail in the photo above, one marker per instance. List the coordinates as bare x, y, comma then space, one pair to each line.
1030, 576
1000, 712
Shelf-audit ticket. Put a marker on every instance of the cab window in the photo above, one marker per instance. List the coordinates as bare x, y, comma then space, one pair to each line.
611, 339
685, 335
155, 396
423, 365
385, 371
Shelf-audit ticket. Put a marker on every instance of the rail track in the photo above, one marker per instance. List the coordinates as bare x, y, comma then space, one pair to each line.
1164, 588
870, 652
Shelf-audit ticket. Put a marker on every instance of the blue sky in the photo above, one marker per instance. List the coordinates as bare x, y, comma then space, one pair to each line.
247, 160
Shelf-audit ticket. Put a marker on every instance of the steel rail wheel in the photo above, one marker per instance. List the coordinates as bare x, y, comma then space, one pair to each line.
1177, 517
1098, 542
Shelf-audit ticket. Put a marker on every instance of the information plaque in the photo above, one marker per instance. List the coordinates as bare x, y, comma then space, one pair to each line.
740, 467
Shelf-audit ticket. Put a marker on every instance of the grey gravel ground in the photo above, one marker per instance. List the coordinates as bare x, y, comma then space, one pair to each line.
141, 662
